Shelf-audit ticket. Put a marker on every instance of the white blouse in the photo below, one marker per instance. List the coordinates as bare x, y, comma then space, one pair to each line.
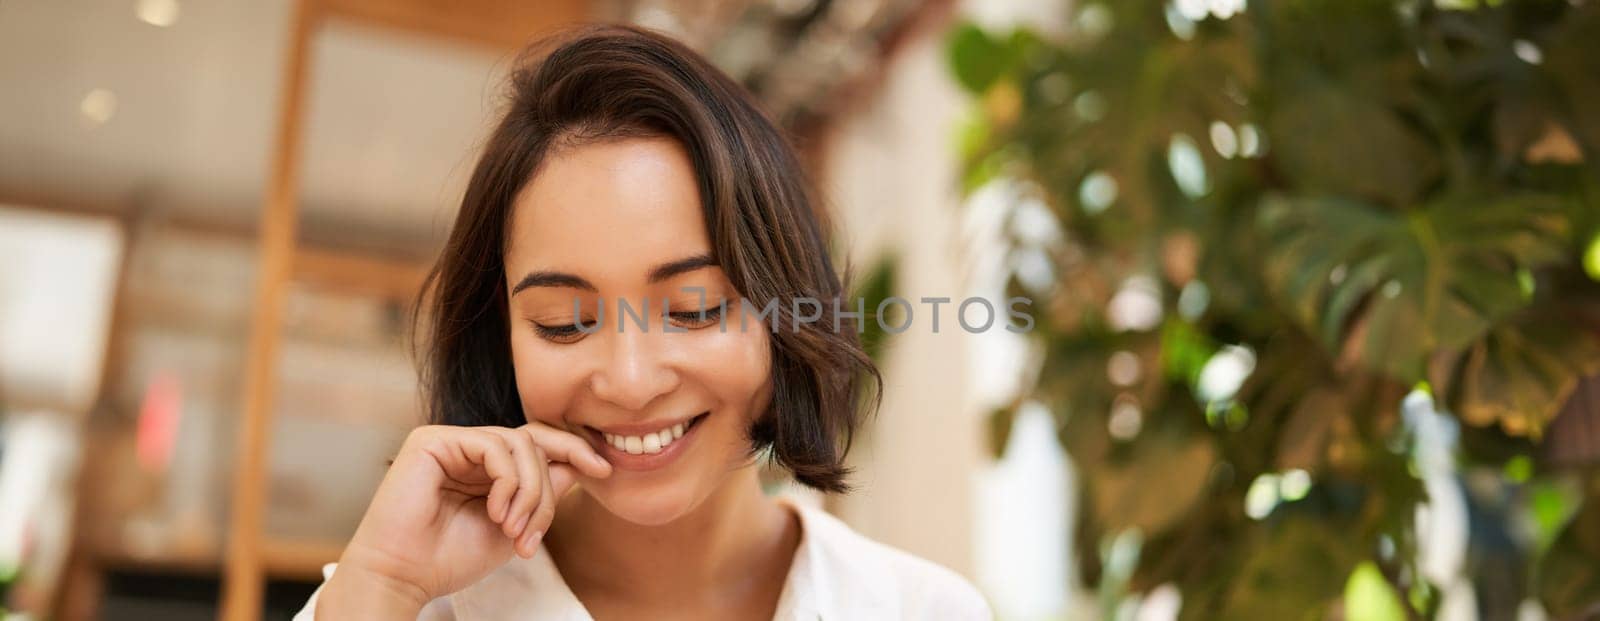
837, 574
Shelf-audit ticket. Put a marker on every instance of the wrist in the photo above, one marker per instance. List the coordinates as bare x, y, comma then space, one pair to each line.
355, 592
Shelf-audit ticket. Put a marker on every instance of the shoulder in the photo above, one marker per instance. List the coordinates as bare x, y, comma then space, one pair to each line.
859, 570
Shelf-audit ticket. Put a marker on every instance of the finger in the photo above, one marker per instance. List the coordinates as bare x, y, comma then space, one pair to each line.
494, 454
528, 541
529, 461
559, 480
562, 478
566, 447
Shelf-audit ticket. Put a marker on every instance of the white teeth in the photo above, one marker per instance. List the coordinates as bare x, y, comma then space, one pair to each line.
653, 442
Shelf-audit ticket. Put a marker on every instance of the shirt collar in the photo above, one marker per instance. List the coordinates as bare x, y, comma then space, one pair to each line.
834, 574
828, 577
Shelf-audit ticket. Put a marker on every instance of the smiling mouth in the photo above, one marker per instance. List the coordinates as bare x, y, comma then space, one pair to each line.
652, 442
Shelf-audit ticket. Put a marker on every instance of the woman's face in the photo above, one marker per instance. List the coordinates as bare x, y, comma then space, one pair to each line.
668, 404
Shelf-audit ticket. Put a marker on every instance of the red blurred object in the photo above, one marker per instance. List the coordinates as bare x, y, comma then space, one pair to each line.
158, 422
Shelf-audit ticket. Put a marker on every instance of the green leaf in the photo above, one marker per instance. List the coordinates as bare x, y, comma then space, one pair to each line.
1591, 258
976, 58
1000, 423
1368, 596
878, 285
1294, 574
1551, 504
1331, 140
1569, 578
1521, 373
1184, 351
1390, 288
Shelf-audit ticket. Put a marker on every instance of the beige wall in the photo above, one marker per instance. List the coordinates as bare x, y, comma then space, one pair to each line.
892, 180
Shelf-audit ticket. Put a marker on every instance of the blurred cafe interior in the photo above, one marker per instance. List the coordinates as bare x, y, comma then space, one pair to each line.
1316, 282
214, 217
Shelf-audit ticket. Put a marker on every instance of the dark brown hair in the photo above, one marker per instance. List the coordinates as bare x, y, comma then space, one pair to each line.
611, 82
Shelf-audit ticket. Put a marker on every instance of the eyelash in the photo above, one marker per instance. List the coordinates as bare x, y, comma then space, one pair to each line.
570, 333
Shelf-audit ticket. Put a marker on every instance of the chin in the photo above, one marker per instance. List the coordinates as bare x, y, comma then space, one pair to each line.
643, 502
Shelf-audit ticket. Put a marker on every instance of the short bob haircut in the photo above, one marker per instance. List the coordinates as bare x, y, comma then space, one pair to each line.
600, 83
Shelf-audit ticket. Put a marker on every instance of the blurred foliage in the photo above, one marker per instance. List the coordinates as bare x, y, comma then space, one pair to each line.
869, 293
1330, 203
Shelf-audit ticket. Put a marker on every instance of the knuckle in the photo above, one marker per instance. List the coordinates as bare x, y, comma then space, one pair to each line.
421, 434
520, 442
494, 440
499, 439
428, 437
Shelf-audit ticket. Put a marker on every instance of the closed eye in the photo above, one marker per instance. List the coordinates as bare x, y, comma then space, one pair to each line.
572, 332
569, 333
698, 318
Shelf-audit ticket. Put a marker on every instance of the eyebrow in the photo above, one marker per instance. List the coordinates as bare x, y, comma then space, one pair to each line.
546, 278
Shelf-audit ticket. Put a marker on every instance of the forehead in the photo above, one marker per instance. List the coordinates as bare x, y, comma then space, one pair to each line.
609, 207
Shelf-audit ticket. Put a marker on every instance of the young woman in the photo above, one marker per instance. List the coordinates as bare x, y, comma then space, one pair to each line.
612, 350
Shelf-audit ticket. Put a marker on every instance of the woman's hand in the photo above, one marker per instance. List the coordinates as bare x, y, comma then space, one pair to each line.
456, 503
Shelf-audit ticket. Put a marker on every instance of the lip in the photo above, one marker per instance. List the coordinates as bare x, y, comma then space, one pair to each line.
642, 462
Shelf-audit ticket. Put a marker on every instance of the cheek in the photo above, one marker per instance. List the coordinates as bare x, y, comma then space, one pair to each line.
546, 382
735, 367
738, 369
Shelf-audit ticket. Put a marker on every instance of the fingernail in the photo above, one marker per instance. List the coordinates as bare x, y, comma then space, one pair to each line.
598, 461
520, 524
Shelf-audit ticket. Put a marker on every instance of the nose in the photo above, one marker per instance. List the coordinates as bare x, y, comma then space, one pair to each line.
636, 369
